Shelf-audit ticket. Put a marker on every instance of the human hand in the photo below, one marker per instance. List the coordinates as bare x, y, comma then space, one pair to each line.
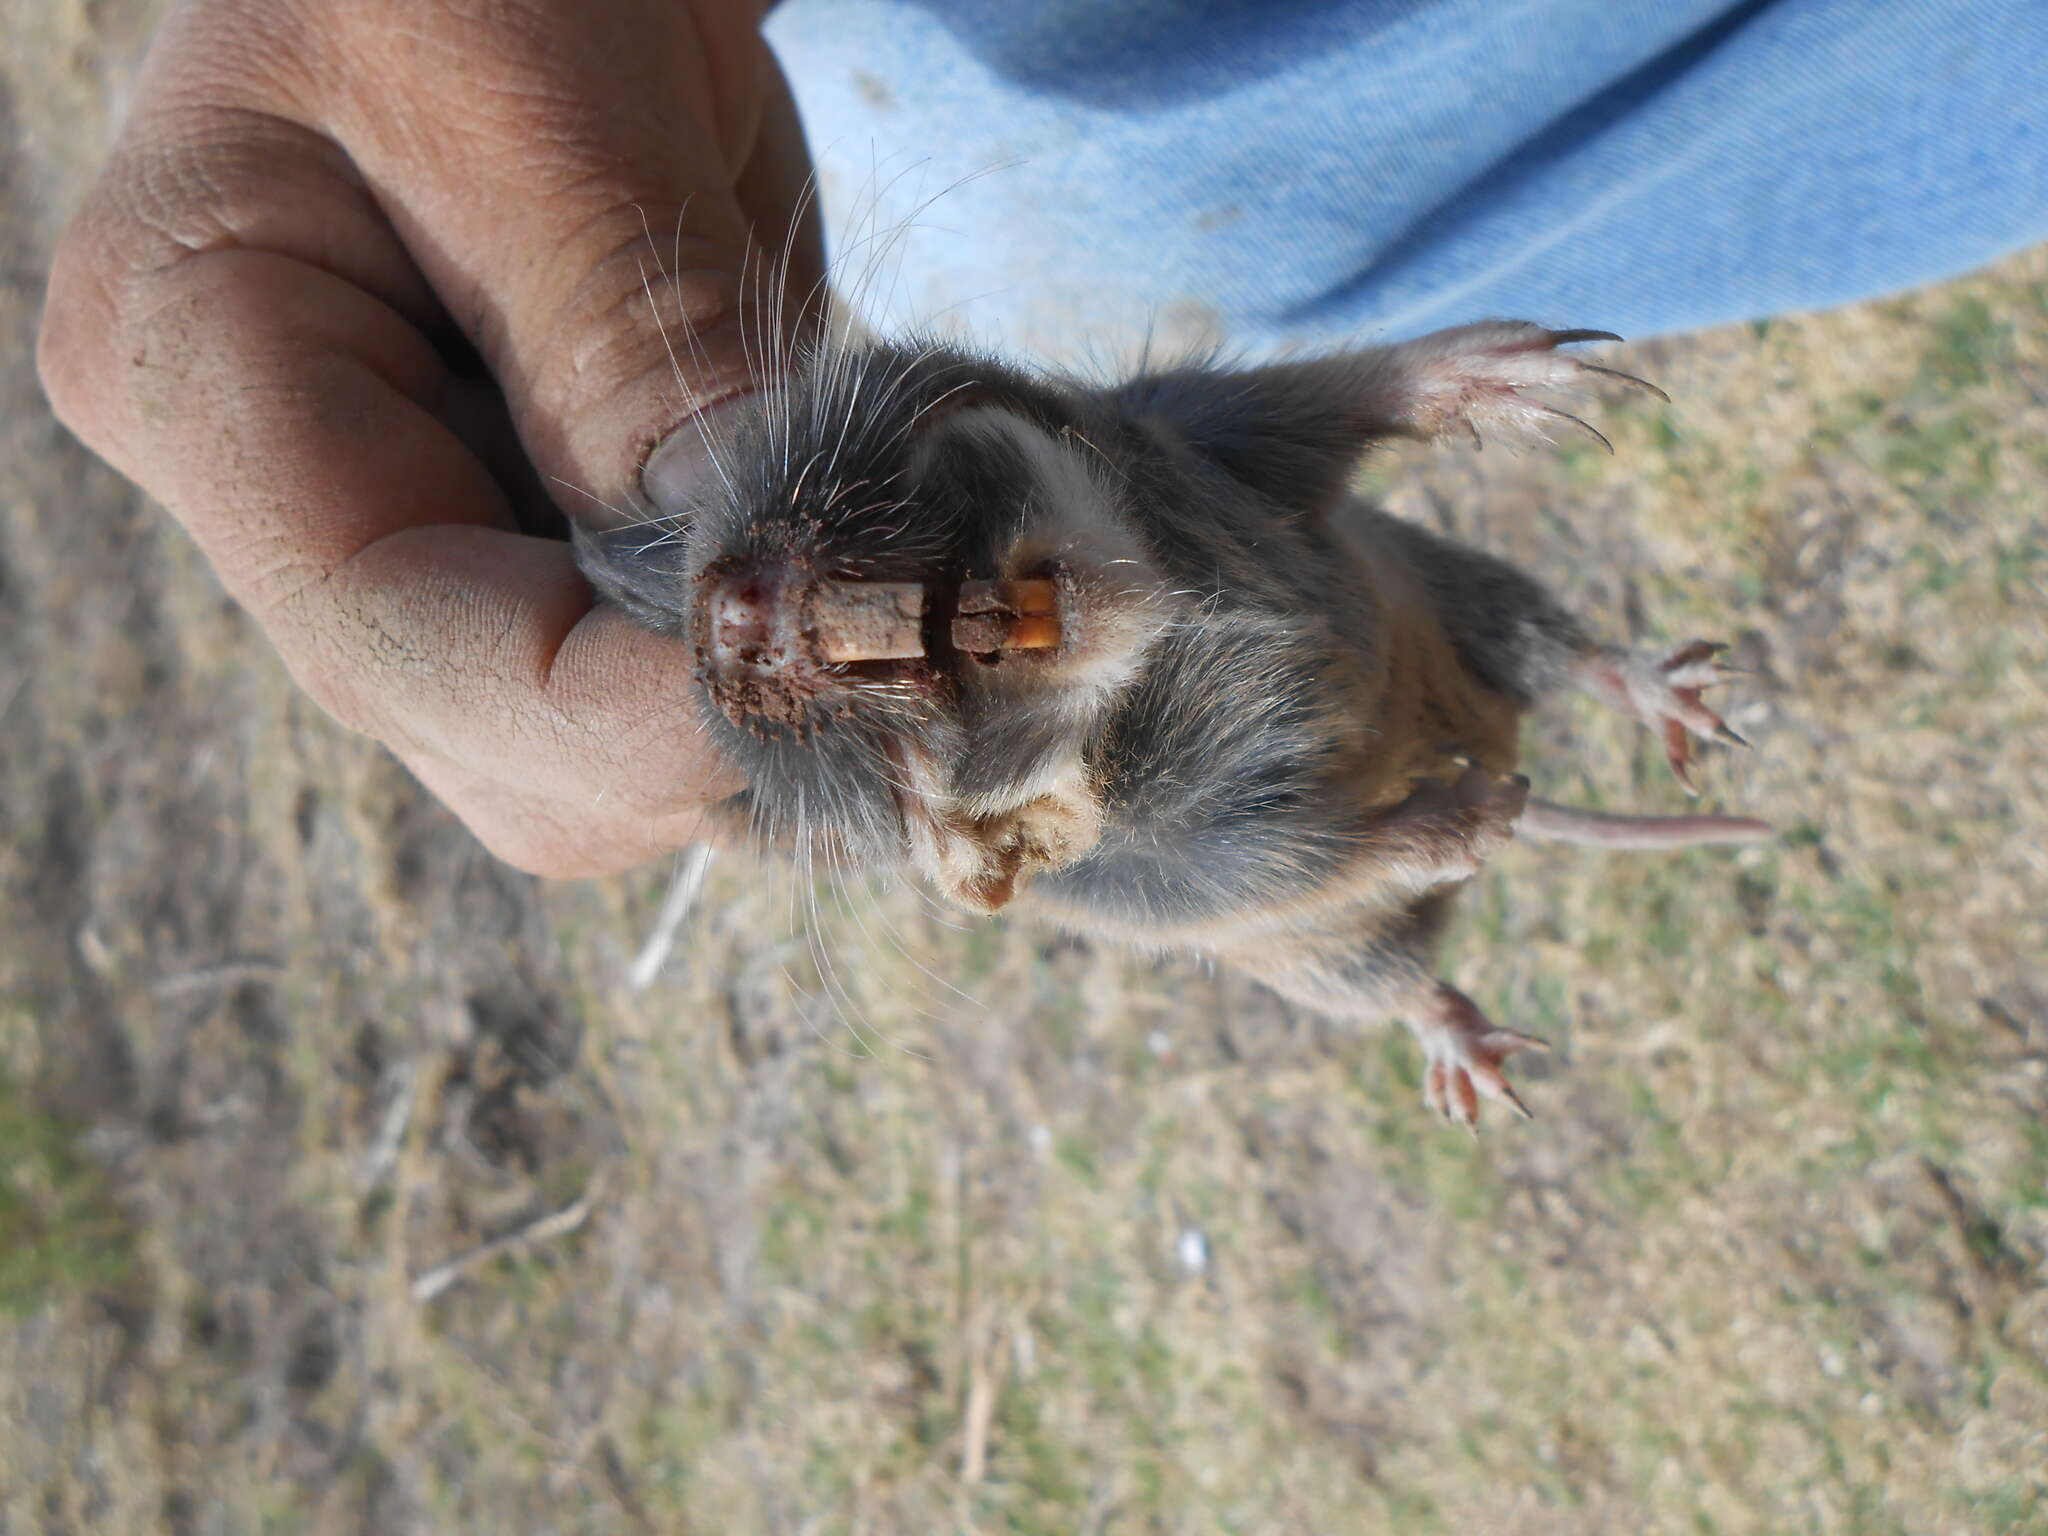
269, 315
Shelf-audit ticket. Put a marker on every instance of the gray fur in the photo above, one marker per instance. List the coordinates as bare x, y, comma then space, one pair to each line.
1215, 726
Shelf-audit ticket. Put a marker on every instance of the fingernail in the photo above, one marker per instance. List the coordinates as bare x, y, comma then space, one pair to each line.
696, 454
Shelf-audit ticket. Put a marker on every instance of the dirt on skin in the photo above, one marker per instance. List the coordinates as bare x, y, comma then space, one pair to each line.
347, 1183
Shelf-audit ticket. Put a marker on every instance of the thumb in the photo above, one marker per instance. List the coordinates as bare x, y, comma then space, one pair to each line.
232, 321
607, 222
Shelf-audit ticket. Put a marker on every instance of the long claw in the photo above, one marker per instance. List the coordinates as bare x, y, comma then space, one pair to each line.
1551, 410
1495, 370
1665, 693
1686, 706
1465, 1055
1465, 1102
1495, 1086
1678, 753
1693, 652
1627, 378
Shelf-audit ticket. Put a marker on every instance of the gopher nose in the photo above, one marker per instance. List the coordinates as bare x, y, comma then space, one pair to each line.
745, 621
747, 626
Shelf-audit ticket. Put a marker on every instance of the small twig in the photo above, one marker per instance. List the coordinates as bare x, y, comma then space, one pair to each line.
675, 907
231, 974
542, 1229
382, 1152
1983, 1249
979, 1414
1996, 1271
986, 1367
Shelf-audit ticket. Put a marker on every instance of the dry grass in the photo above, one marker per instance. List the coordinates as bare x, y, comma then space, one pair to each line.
1122, 1246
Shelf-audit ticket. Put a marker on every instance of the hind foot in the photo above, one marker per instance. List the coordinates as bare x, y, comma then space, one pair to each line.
1482, 376
1663, 691
1443, 833
1465, 1050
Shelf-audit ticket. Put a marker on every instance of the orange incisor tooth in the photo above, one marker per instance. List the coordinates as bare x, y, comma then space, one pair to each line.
884, 620
1006, 616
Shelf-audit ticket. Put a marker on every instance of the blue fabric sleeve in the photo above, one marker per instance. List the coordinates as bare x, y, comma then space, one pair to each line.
1069, 176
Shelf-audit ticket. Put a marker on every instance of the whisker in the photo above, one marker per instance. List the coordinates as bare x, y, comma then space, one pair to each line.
895, 937
853, 910
835, 988
674, 283
801, 874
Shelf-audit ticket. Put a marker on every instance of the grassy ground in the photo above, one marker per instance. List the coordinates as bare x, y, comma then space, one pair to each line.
1118, 1246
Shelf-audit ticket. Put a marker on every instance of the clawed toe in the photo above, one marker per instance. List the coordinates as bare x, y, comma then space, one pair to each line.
1665, 694
1465, 1053
1578, 421
1488, 374
1626, 378
1685, 674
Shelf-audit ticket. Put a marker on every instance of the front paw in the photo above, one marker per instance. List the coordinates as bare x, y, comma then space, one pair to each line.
1486, 375
1663, 691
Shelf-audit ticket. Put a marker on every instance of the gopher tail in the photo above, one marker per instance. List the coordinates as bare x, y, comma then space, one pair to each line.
1544, 822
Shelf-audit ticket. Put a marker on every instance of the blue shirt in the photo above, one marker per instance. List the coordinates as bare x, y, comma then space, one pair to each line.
1073, 176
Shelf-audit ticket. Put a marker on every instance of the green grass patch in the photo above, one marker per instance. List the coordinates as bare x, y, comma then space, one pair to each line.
62, 1234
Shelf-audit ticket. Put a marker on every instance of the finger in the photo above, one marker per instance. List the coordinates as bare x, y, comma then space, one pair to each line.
235, 325
540, 834
525, 680
615, 301
386, 577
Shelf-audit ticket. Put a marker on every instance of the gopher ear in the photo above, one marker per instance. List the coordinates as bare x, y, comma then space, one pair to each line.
983, 862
